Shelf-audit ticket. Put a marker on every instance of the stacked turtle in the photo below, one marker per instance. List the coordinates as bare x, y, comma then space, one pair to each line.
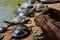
23, 13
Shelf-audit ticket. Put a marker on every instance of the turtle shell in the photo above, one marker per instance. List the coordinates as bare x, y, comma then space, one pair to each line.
20, 31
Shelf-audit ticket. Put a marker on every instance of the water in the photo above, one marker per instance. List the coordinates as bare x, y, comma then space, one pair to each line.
6, 13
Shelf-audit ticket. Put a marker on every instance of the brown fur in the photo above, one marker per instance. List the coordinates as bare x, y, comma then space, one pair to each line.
46, 22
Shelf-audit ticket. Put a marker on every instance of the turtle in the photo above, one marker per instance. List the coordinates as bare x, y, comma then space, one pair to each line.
20, 31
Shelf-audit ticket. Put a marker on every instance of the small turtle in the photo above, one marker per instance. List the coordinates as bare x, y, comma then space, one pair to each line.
24, 12
21, 31
38, 6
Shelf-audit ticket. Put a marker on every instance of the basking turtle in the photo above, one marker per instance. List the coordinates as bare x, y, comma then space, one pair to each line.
49, 1
38, 6
24, 12
21, 31
17, 20
26, 9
